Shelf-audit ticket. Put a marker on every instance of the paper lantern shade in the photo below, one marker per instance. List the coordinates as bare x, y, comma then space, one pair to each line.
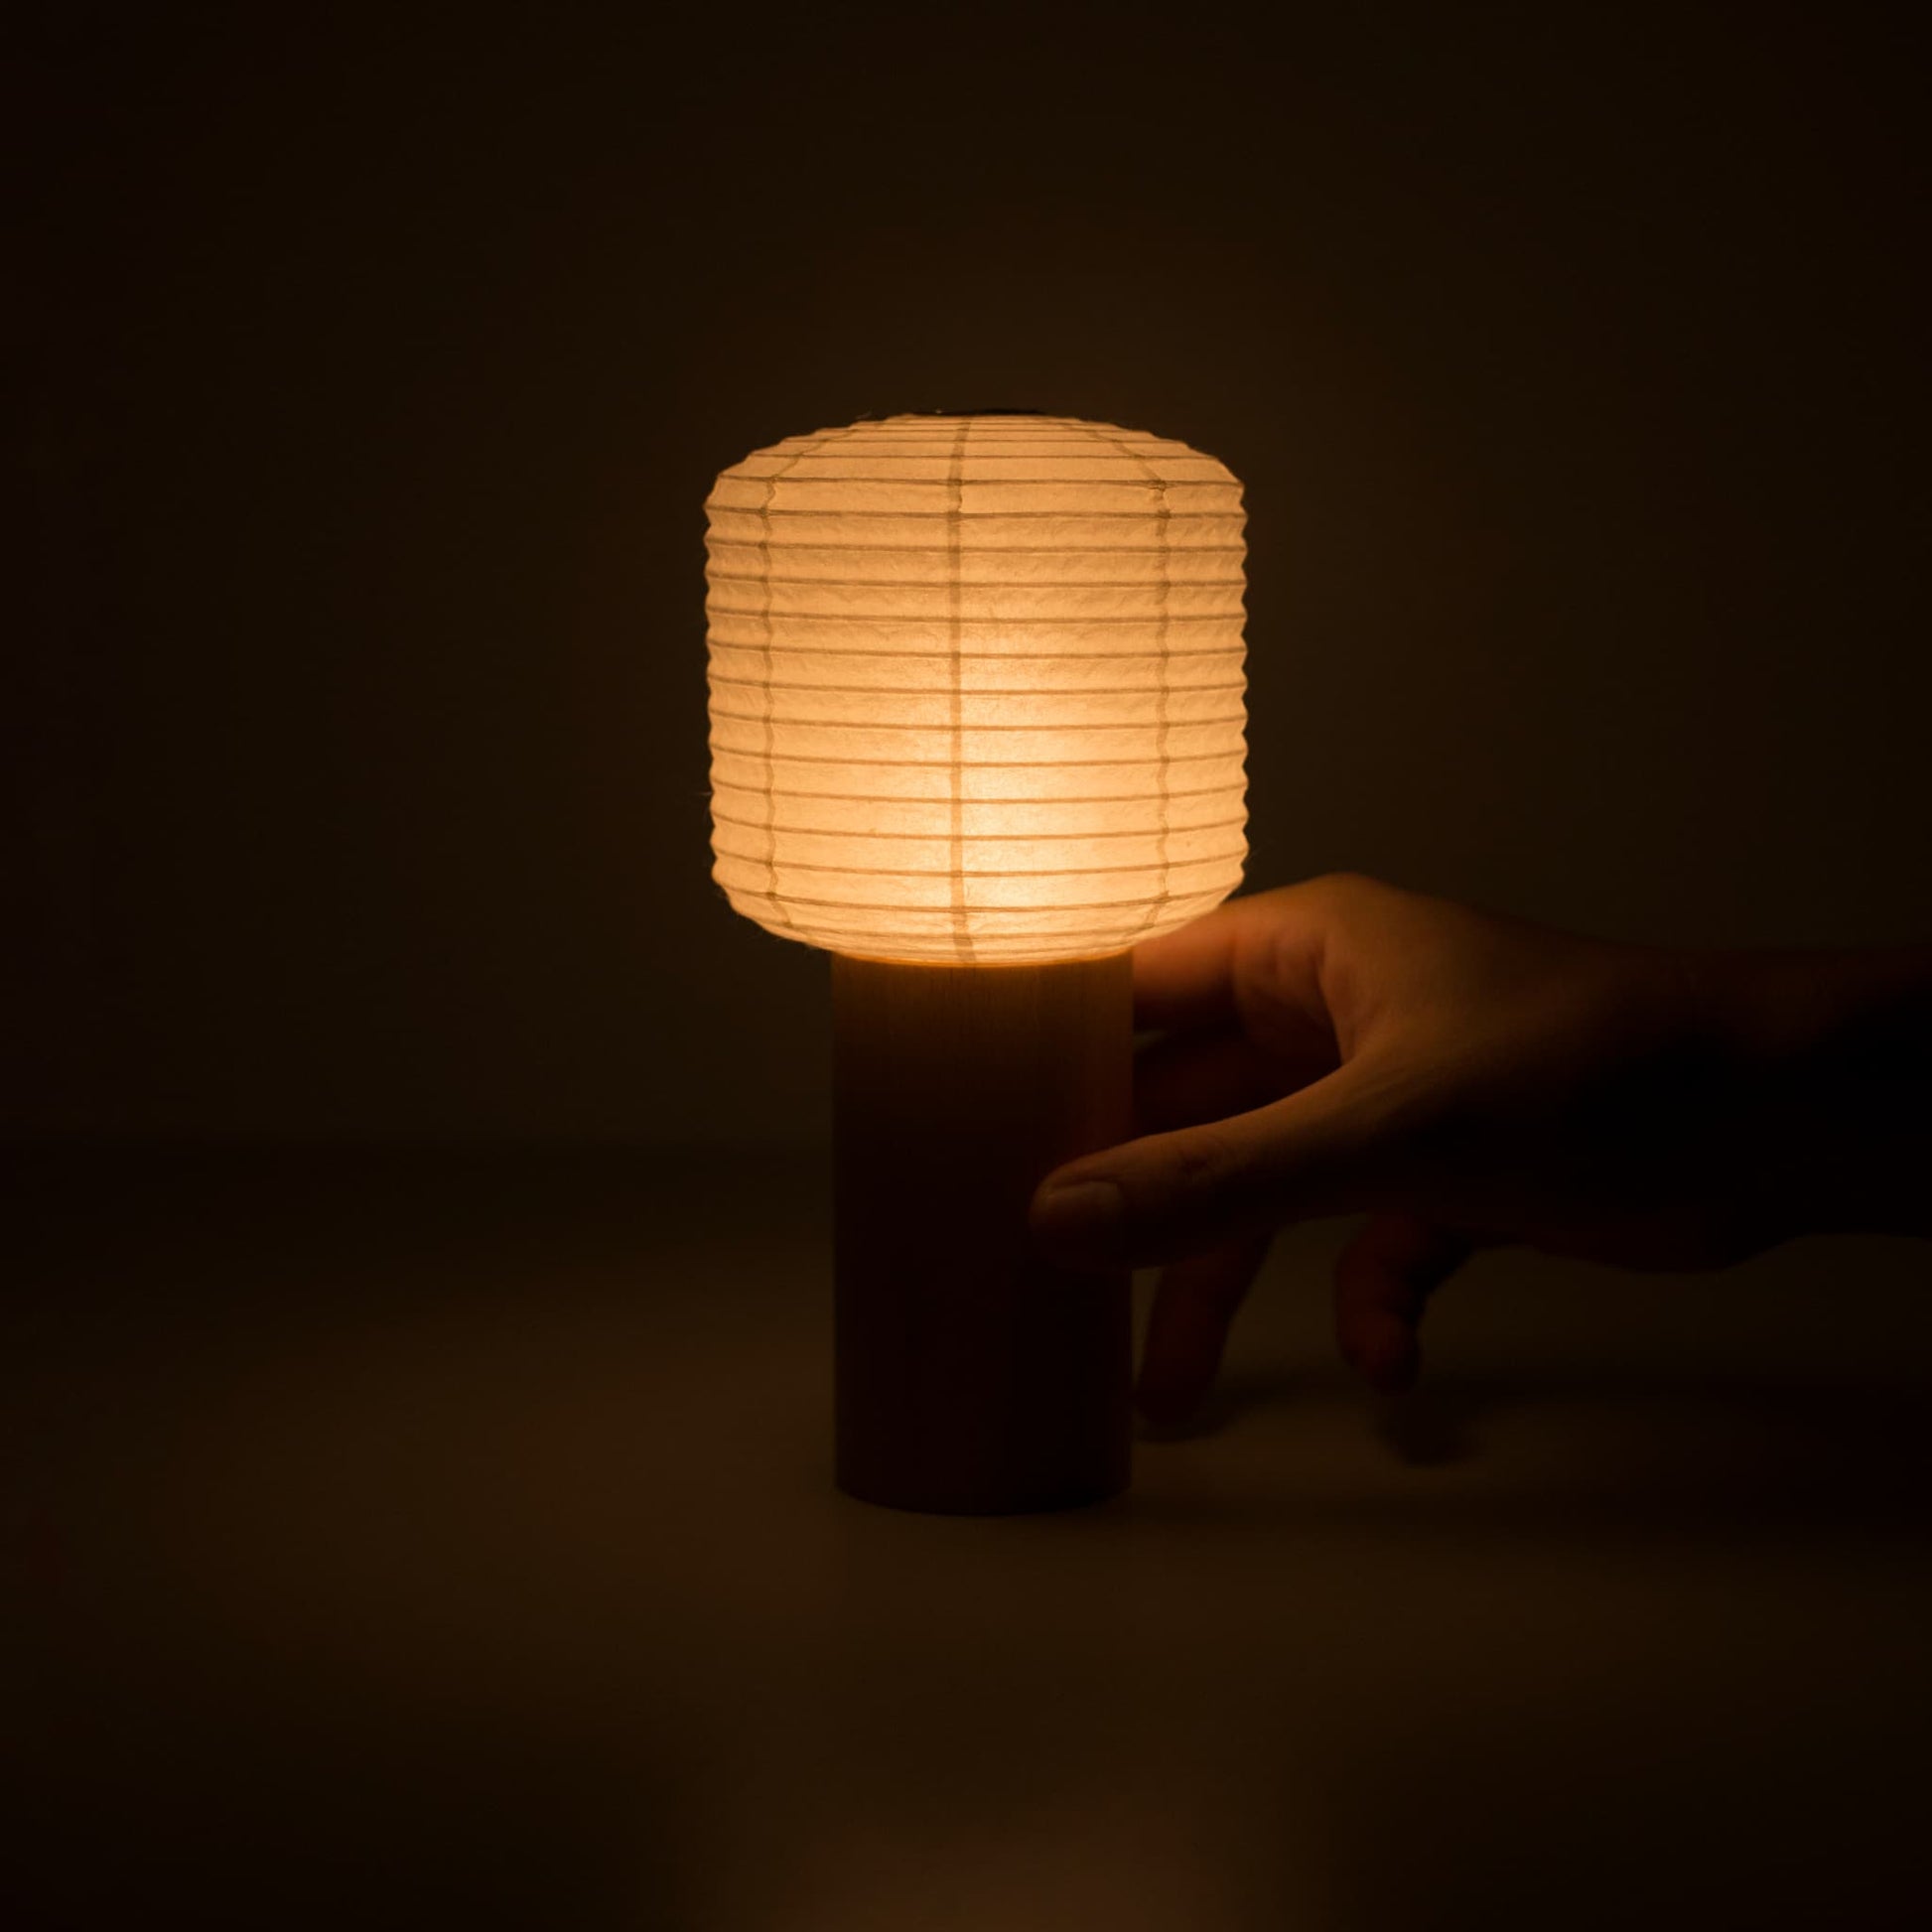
976, 687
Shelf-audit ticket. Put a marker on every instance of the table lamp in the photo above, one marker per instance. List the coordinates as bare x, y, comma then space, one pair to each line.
977, 729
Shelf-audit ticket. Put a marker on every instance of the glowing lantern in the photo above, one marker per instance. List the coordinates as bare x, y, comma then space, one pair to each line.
976, 689
977, 729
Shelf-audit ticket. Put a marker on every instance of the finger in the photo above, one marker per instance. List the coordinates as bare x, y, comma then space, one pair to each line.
1343, 1144
1255, 965
1194, 977
1187, 1078
1383, 1281
1187, 978
1195, 1306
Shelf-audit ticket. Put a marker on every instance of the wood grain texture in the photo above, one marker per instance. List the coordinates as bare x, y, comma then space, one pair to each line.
974, 1377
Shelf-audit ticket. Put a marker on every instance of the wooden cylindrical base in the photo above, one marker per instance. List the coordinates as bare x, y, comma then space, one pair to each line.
973, 1376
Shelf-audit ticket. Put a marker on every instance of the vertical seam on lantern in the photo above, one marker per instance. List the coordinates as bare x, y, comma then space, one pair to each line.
955, 538
769, 750
1163, 893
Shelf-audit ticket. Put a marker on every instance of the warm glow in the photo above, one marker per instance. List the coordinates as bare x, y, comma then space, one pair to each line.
976, 687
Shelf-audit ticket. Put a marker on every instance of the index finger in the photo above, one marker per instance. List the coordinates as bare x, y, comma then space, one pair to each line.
1189, 978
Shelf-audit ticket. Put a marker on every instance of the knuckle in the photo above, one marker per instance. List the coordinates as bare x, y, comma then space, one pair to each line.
1201, 1182
1202, 1163
1348, 885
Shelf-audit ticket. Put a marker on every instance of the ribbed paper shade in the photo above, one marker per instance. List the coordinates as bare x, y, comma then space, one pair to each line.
976, 687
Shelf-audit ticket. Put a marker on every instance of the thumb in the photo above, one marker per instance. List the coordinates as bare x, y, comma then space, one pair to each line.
1335, 1147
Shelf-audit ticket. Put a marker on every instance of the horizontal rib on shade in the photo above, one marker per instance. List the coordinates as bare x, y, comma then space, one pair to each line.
976, 687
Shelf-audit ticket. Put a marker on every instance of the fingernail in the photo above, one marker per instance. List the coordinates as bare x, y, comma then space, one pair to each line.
1084, 1213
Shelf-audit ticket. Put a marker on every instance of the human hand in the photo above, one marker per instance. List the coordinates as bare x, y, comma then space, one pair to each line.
1345, 1047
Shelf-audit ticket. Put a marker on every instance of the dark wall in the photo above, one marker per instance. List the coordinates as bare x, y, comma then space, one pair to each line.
370, 379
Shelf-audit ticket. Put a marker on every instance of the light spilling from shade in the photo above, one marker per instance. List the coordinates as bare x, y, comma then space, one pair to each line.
976, 687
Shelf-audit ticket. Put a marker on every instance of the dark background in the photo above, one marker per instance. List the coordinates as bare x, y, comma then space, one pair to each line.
372, 375
397, 1533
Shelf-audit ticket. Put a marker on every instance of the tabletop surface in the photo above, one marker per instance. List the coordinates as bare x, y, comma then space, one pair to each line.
434, 1539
